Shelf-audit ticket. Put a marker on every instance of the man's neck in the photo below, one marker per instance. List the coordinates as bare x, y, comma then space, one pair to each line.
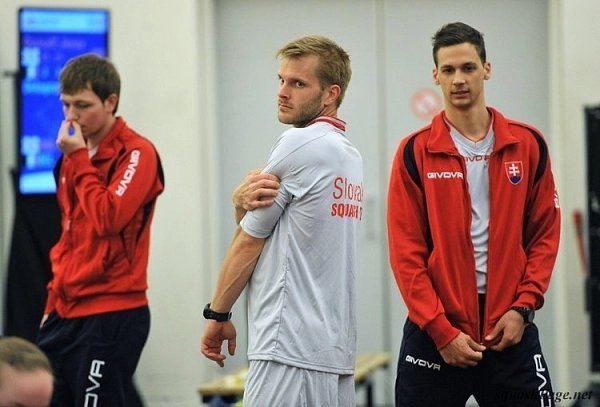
472, 124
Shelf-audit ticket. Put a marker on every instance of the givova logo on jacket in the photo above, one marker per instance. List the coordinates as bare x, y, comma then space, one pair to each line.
129, 172
445, 175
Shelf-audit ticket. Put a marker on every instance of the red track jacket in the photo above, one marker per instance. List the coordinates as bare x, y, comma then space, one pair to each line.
430, 247
107, 203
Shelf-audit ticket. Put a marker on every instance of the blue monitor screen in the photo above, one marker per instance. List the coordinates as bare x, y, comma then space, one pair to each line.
48, 38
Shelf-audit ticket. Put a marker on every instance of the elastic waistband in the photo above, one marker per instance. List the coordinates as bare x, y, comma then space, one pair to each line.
100, 304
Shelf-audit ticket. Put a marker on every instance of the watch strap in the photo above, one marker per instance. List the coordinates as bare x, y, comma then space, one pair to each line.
526, 313
217, 316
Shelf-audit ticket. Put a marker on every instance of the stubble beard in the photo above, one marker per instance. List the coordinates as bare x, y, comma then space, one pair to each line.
306, 113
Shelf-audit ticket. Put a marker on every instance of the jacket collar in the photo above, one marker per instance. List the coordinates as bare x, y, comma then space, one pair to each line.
109, 147
441, 141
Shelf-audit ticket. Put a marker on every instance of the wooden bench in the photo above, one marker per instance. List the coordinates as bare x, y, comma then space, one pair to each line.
231, 387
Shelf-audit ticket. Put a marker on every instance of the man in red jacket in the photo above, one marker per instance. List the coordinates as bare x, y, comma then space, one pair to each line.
473, 225
97, 320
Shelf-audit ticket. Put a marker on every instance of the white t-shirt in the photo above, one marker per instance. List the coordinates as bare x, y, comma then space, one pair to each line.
302, 294
476, 155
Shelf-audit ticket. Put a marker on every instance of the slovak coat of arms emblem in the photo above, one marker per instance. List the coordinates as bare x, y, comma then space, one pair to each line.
514, 171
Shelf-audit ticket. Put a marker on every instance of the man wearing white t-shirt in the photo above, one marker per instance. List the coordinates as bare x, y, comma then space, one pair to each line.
298, 255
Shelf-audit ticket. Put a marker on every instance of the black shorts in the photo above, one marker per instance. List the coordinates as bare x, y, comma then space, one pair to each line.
94, 358
517, 376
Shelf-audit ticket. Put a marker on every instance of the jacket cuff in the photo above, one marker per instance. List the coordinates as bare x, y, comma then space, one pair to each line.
528, 300
441, 331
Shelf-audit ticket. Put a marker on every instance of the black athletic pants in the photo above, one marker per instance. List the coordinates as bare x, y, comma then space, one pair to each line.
94, 358
516, 377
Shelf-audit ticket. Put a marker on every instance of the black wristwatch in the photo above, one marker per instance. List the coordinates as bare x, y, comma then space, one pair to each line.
527, 313
217, 316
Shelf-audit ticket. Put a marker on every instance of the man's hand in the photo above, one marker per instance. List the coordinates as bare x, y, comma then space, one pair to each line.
257, 190
70, 137
462, 351
507, 332
212, 340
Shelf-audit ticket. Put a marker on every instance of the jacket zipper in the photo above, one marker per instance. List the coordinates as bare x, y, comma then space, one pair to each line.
483, 318
469, 221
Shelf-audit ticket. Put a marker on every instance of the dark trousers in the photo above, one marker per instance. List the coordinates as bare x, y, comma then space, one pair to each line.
94, 358
516, 377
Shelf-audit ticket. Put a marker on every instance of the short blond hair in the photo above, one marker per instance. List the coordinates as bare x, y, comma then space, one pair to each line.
334, 67
22, 355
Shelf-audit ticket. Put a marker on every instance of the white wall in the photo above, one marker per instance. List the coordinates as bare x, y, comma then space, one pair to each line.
168, 56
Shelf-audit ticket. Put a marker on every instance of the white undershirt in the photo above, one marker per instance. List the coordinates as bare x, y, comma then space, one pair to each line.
476, 155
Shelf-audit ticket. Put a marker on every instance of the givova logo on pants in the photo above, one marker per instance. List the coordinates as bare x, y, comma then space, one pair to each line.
91, 393
545, 396
423, 363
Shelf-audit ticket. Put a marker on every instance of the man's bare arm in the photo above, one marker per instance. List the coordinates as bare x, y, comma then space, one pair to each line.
236, 270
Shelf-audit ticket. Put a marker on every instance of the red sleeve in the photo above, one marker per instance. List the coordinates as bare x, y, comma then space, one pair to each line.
542, 235
409, 250
133, 183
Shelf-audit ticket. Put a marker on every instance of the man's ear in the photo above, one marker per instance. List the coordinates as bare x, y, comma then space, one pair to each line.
487, 67
332, 94
111, 103
434, 75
